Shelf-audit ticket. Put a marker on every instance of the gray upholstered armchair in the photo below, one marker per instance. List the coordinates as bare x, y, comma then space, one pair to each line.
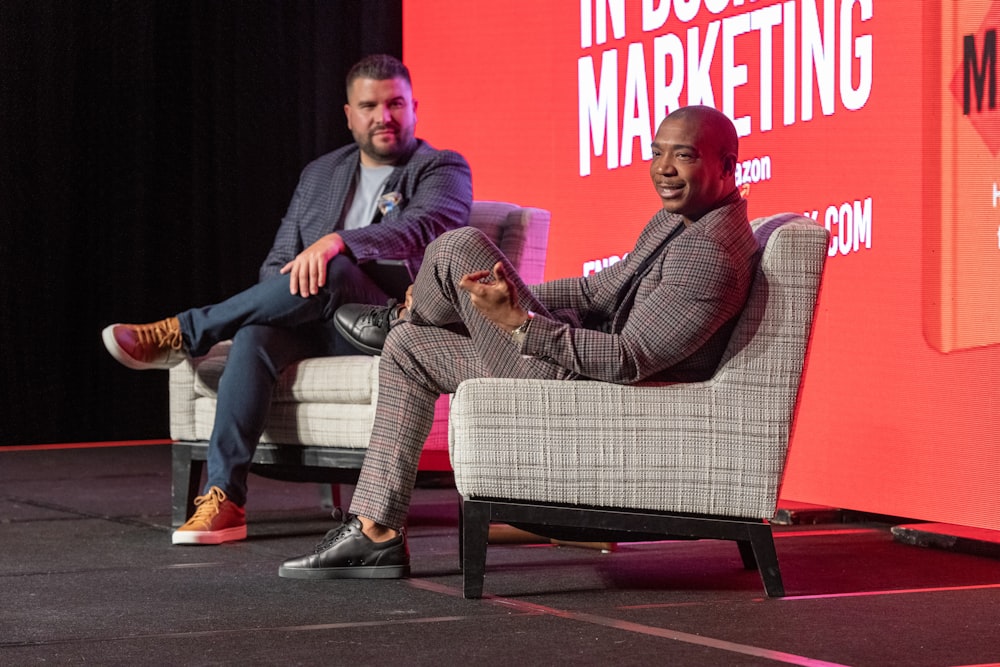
323, 408
598, 461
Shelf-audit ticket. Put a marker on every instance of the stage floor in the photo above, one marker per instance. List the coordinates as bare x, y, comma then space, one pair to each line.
88, 575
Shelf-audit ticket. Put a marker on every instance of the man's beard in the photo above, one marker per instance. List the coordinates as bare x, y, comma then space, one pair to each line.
388, 154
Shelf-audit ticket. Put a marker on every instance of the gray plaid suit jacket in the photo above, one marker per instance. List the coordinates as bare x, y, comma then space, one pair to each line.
436, 189
677, 327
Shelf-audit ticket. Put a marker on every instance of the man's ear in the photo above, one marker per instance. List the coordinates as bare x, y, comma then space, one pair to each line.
347, 115
729, 164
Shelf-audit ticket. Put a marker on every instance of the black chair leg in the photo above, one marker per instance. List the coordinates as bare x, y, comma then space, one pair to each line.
185, 482
746, 554
335, 494
461, 533
762, 541
475, 534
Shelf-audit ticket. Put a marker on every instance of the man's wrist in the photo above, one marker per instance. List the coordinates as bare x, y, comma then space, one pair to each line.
338, 244
521, 331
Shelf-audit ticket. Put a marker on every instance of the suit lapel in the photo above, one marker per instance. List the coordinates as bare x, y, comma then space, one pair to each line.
341, 184
657, 244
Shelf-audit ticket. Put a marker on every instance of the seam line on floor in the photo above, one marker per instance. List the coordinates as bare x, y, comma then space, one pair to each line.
901, 591
210, 633
628, 626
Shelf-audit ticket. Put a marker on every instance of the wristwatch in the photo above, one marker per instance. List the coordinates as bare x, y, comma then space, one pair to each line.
518, 334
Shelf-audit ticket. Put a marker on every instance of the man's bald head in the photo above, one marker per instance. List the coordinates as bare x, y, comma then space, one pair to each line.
713, 122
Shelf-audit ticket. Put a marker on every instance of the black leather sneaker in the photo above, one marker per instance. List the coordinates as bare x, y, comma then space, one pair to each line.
365, 326
347, 553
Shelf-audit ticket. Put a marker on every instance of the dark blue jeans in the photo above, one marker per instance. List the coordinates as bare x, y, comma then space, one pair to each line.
271, 329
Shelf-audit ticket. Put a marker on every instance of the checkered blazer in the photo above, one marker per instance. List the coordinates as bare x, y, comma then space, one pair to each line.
436, 189
677, 326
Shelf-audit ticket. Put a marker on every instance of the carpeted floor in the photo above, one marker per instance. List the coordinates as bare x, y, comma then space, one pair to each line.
88, 576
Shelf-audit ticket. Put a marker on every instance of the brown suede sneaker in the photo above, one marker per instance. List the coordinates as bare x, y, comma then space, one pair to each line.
146, 346
216, 520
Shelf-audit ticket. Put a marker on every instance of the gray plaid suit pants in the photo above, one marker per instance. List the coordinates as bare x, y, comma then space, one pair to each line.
444, 342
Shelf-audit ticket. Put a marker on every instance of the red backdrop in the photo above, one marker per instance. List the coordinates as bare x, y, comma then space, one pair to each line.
850, 111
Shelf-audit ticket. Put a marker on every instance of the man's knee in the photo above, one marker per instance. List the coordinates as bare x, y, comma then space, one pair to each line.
456, 241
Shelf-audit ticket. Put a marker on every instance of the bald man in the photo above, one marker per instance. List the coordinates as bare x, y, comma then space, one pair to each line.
665, 313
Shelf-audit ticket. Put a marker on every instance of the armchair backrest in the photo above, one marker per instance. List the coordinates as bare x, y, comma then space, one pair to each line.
761, 369
522, 234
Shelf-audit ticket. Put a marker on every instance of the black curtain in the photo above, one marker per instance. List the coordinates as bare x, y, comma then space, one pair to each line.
149, 152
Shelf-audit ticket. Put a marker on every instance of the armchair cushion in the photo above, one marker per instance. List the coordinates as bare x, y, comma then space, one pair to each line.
322, 402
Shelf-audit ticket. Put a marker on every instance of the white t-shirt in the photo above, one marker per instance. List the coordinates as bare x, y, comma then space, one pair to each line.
368, 184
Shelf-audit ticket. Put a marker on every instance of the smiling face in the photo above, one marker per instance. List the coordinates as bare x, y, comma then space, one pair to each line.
382, 116
694, 160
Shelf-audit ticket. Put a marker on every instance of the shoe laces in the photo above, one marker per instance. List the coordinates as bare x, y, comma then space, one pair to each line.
163, 334
207, 506
382, 316
337, 532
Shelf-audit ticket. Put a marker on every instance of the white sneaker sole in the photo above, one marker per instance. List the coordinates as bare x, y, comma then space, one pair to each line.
233, 534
